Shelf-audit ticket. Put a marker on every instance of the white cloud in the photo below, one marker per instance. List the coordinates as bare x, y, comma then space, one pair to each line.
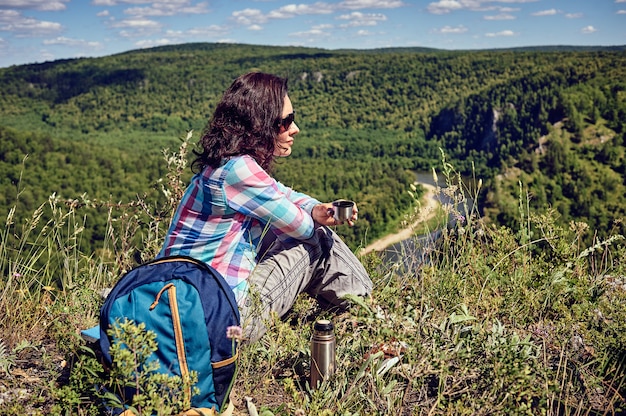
293, 10
574, 15
448, 6
168, 9
588, 29
255, 27
249, 16
137, 24
369, 4
504, 33
8, 15
445, 6
103, 13
211, 31
446, 30
315, 31
550, 12
20, 26
158, 3
509, 9
621, 12
137, 27
620, 1
104, 2
42, 5
501, 16
362, 19
152, 43
77, 43
208, 31
312, 32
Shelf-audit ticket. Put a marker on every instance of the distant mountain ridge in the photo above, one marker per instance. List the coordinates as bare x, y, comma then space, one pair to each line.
212, 46
208, 46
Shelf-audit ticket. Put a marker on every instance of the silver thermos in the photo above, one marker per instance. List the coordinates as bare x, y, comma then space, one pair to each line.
322, 352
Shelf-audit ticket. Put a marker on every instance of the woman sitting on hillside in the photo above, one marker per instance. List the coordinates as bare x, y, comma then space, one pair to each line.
270, 242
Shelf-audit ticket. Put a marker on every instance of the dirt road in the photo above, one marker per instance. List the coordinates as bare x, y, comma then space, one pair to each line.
429, 208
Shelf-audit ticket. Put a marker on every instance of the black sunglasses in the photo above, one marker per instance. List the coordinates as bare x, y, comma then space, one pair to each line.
287, 121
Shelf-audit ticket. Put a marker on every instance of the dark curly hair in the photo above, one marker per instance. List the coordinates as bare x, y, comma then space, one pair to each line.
246, 122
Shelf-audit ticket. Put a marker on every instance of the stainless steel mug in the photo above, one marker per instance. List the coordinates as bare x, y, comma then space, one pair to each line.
322, 352
343, 209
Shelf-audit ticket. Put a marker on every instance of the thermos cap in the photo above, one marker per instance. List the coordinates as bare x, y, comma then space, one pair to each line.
323, 325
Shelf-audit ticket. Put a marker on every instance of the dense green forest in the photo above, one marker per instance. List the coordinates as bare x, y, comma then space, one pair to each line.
548, 123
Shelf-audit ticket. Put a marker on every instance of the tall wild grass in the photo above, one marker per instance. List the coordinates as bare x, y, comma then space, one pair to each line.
486, 320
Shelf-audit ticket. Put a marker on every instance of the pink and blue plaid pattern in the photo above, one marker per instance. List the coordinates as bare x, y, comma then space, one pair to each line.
224, 212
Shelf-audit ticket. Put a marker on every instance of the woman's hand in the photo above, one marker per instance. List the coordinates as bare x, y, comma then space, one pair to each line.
324, 214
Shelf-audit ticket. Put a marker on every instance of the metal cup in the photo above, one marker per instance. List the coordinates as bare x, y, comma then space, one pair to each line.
343, 209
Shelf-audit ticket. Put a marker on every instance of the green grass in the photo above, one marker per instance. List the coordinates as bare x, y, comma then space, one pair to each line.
499, 321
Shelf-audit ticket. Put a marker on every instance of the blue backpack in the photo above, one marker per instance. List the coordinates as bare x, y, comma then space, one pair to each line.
189, 306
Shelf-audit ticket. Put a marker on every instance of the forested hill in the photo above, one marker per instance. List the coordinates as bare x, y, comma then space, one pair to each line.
552, 120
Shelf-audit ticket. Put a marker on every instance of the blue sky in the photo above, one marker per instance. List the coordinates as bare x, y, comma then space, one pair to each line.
45, 30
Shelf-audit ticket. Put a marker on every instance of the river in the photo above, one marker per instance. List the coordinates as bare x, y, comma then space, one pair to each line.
404, 247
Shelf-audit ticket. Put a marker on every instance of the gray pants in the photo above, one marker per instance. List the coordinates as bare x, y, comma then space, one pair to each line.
322, 266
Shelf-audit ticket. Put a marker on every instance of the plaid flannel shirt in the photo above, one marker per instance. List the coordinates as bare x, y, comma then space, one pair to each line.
224, 212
